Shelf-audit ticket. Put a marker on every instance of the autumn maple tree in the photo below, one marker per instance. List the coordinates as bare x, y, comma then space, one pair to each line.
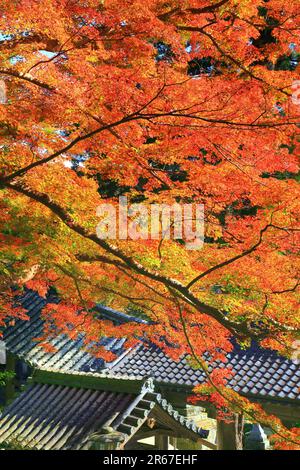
161, 101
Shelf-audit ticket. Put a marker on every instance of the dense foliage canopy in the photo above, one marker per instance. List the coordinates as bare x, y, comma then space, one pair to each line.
161, 101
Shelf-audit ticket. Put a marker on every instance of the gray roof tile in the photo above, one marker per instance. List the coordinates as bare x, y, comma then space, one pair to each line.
53, 417
256, 371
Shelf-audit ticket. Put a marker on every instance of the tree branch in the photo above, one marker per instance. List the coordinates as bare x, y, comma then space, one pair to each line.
240, 330
193, 11
235, 258
34, 81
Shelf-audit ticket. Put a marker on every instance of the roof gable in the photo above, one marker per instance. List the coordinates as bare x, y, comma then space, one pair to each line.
53, 417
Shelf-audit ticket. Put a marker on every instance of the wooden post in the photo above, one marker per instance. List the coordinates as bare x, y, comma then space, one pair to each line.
239, 430
10, 386
230, 435
161, 442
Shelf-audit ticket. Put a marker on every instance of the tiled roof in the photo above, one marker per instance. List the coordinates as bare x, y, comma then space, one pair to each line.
19, 339
52, 417
257, 372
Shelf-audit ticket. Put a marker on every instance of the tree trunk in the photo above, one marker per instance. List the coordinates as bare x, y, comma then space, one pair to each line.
239, 422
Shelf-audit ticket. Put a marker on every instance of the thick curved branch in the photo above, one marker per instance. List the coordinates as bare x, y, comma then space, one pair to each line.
27, 78
221, 390
68, 147
241, 330
194, 11
244, 329
100, 259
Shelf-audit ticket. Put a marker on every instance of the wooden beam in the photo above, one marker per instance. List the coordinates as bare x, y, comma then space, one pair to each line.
226, 436
134, 445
